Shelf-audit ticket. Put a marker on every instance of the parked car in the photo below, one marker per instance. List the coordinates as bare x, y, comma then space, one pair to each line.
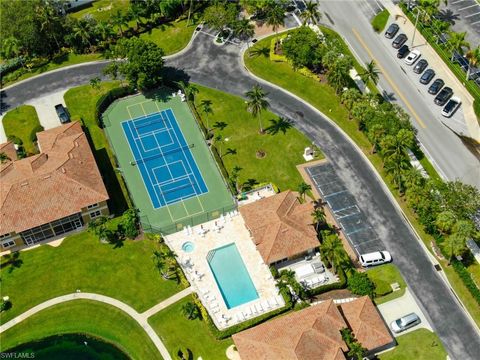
420, 66
403, 51
427, 76
452, 105
412, 57
443, 96
405, 322
375, 258
399, 41
62, 113
392, 31
436, 86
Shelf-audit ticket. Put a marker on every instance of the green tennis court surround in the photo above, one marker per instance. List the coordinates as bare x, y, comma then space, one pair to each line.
150, 179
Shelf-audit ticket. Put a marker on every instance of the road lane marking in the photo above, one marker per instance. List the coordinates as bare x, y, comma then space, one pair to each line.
390, 81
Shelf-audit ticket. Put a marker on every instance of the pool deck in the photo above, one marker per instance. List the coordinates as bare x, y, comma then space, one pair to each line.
197, 270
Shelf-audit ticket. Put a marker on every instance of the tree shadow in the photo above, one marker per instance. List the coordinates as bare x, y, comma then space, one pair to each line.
259, 51
249, 184
12, 261
230, 151
279, 125
220, 125
172, 74
389, 96
447, 15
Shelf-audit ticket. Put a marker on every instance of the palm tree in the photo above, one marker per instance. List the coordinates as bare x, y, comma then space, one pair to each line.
11, 47
319, 218
189, 90
371, 72
190, 310
244, 29
332, 249
234, 177
302, 189
311, 13
445, 222
428, 8
3, 157
464, 228
357, 351
397, 146
396, 166
412, 178
454, 245
135, 13
257, 103
457, 42
82, 32
105, 30
473, 57
207, 110
375, 134
275, 17
350, 97
120, 20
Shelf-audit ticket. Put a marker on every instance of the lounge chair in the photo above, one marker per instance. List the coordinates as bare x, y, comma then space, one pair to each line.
254, 309
259, 307
215, 310
214, 303
266, 305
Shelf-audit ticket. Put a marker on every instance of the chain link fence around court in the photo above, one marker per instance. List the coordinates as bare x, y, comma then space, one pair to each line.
189, 221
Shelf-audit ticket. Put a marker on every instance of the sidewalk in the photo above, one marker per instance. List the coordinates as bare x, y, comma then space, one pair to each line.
472, 127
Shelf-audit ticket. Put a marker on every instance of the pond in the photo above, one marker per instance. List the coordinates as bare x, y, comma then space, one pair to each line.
70, 346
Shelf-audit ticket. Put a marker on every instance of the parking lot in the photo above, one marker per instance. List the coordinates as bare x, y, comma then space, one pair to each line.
414, 78
465, 17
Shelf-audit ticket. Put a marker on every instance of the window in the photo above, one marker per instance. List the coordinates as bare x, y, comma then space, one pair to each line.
4, 236
8, 244
95, 214
92, 206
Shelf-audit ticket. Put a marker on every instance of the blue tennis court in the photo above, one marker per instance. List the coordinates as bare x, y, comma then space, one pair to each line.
164, 158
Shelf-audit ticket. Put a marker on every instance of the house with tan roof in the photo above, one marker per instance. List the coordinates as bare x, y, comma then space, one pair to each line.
51, 193
314, 333
281, 227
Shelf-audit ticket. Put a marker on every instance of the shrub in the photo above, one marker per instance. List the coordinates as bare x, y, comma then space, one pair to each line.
467, 279
33, 134
11, 65
380, 20
382, 288
223, 169
476, 107
273, 56
274, 272
360, 284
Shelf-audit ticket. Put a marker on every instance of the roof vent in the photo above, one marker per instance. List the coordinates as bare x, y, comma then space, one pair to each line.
47, 177
63, 170
24, 183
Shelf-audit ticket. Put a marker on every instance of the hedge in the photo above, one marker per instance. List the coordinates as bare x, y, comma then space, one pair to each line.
476, 108
467, 279
33, 134
342, 284
223, 334
107, 99
223, 170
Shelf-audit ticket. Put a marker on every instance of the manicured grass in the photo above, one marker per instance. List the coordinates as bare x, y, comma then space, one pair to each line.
58, 62
173, 36
109, 8
283, 151
324, 99
383, 276
22, 122
420, 344
177, 331
81, 102
126, 273
87, 317
380, 20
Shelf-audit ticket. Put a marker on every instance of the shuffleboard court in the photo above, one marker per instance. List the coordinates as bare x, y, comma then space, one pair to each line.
161, 153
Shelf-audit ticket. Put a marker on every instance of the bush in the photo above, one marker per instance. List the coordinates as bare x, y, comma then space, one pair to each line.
15, 139
223, 170
11, 65
360, 284
33, 134
467, 279
380, 20
382, 288
273, 56
476, 107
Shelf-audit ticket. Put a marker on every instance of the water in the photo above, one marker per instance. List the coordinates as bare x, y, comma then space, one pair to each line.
188, 247
71, 347
231, 276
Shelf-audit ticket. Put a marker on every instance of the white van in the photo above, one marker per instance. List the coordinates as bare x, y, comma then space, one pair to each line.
375, 258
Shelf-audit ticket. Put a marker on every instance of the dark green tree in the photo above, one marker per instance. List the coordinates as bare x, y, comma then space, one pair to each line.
360, 284
301, 48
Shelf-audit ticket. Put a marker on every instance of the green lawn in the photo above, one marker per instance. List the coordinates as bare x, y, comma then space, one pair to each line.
56, 63
323, 98
81, 102
126, 273
109, 8
420, 344
22, 122
171, 37
283, 151
383, 276
380, 20
176, 331
88, 317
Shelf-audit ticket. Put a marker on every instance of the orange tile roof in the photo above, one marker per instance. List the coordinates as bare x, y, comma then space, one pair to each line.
367, 326
9, 149
58, 182
313, 333
281, 227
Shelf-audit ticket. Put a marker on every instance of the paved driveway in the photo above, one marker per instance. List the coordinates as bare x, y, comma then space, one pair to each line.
404, 305
45, 107
464, 15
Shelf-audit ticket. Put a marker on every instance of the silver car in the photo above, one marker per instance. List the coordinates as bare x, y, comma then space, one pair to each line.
405, 322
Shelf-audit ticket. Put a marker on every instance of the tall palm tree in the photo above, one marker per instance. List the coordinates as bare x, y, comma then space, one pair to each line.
457, 42
244, 30
473, 57
257, 103
445, 222
302, 189
338, 77
350, 97
332, 249
454, 245
396, 166
397, 146
82, 32
319, 218
357, 351
275, 17
190, 310
104, 30
311, 13
119, 20
371, 72
234, 177
189, 90
207, 110
375, 134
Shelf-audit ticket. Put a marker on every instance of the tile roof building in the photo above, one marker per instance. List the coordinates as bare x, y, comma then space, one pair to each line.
53, 192
314, 333
281, 227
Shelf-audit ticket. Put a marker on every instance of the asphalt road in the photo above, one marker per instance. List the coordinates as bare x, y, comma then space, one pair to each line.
219, 67
446, 149
464, 15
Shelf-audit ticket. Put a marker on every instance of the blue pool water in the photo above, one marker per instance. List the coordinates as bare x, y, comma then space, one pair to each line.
231, 276
188, 247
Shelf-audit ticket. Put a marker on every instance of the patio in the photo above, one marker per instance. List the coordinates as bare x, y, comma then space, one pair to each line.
212, 235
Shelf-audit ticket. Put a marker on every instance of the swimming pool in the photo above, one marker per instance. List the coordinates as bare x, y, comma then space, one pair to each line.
231, 276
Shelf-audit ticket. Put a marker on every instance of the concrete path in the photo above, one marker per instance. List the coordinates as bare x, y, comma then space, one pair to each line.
141, 319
